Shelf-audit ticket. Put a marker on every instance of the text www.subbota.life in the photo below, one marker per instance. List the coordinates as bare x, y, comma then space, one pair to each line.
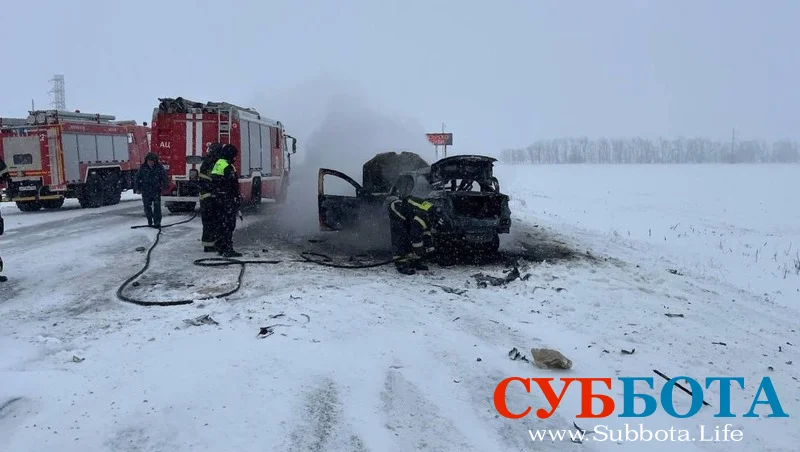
602, 433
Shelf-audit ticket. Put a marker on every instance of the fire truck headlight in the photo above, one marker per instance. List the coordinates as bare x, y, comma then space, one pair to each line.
194, 174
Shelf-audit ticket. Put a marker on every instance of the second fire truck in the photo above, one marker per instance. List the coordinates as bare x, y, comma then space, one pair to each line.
182, 130
53, 155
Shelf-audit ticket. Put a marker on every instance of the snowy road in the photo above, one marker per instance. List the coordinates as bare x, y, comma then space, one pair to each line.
367, 360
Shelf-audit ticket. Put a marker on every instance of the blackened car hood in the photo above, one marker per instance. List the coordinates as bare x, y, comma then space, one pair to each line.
475, 167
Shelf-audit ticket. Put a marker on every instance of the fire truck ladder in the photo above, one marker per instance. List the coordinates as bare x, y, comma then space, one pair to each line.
224, 127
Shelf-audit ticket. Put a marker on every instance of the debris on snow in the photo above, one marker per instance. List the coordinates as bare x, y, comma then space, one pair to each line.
141, 249
673, 315
204, 319
628, 352
674, 272
265, 331
483, 280
451, 290
722, 343
75, 359
275, 316
515, 355
547, 358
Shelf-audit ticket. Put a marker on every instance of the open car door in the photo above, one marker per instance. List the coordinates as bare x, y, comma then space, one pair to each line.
338, 212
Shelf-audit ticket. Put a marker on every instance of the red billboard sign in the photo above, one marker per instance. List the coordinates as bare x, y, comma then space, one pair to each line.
440, 139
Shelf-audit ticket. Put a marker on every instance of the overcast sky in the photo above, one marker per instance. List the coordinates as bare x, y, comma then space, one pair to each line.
499, 74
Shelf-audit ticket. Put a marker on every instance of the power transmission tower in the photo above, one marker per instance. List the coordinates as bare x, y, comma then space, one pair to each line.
59, 101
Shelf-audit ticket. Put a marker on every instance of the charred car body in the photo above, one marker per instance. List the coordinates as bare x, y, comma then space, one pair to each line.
468, 205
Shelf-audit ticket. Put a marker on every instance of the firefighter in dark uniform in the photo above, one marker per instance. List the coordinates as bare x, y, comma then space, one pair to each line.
207, 202
5, 177
225, 189
151, 180
410, 219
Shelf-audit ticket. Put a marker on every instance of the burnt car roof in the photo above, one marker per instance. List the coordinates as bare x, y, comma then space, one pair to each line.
380, 172
462, 167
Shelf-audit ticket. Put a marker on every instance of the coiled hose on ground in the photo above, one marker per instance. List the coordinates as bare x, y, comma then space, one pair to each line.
220, 262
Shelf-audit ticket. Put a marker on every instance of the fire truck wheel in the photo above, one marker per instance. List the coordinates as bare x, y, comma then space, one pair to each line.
92, 192
28, 206
112, 192
53, 203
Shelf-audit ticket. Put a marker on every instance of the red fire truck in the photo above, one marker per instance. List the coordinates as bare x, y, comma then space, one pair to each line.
59, 154
182, 130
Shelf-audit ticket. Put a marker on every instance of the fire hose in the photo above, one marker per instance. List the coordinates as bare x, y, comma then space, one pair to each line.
222, 262
204, 262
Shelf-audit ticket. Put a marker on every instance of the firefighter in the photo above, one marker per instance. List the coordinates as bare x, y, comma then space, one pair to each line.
208, 210
151, 180
409, 219
225, 188
5, 177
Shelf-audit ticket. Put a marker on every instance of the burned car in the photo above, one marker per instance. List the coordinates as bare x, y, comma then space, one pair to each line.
469, 208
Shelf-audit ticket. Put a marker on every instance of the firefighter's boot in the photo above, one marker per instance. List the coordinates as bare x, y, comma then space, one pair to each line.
2, 278
418, 264
405, 269
209, 249
231, 253
403, 266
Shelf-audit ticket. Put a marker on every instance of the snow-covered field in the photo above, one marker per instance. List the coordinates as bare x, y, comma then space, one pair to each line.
368, 360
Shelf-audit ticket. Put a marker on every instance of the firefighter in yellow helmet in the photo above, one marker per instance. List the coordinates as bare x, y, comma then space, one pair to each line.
225, 189
5, 177
409, 220
208, 204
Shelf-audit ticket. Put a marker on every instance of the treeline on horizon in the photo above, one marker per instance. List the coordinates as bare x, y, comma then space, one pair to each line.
639, 150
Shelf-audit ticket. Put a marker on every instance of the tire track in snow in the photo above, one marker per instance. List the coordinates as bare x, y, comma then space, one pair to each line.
416, 421
320, 423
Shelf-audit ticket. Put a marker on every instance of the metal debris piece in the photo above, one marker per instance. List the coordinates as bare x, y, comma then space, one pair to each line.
275, 316
75, 359
484, 280
308, 317
673, 315
451, 290
265, 331
515, 355
719, 343
628, 352
674, 272
141, 249
204, 319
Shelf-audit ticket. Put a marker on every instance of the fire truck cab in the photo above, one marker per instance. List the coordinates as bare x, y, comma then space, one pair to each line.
182, 131
57, 154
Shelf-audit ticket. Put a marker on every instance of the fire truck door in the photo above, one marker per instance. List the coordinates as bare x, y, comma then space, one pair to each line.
56, 178
23, 153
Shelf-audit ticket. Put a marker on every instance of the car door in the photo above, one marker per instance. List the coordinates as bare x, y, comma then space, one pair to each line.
338, 212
